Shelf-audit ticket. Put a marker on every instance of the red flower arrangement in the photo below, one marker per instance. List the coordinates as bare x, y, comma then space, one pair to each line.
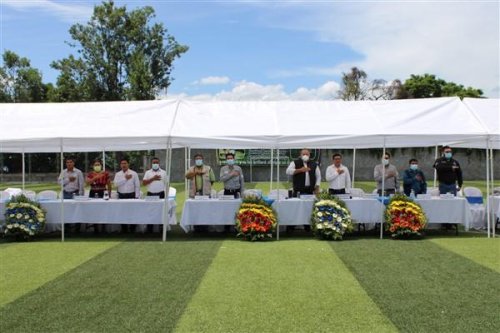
255, 220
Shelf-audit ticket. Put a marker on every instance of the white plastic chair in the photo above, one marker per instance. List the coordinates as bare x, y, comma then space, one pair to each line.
47, 195
30, 194
357, 192
4, 195
477, 209
496, 191
252, 192
433, 191
172, 192
274, 194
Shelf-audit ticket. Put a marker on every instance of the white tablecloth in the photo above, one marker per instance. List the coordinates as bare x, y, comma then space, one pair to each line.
441, 210
298, 212
495, 205
209, 212
124, 211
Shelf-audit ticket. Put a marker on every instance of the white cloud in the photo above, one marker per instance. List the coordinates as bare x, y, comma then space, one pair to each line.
213, 80
457, 41
69, 12
251, 91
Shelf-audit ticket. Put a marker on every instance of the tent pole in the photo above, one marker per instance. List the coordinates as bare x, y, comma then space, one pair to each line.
23, 166
62, 193
382, 193
488, 224
491, 188
166, 205
435, 171
278, 187
272, 157
104, 160
353, 166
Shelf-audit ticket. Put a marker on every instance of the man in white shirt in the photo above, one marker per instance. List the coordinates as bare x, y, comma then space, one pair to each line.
338, 176
127, 182
306, 176
154, 179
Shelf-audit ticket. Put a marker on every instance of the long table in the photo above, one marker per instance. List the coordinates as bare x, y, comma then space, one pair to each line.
447, 210
122, 211
209, 212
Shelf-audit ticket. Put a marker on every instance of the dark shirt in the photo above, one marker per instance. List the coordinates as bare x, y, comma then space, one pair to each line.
411, 182
448, 171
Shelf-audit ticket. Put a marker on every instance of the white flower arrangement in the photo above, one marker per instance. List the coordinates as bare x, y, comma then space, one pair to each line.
330, 218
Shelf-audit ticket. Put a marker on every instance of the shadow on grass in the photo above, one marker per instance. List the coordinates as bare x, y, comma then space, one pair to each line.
135, 286
422, 287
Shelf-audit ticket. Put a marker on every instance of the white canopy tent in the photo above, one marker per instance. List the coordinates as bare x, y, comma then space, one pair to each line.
142, 125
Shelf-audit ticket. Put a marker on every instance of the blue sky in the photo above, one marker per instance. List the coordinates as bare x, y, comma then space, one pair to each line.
286, 49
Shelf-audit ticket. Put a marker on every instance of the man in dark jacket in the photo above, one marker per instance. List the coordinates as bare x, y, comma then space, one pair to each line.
414, 179
449, 173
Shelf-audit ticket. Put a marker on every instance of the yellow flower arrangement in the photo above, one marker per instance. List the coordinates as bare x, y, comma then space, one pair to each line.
404, 218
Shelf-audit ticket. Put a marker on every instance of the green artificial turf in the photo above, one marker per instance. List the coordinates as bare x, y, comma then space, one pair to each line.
27, 266
482, 250
133, 287
285, 286
421, 287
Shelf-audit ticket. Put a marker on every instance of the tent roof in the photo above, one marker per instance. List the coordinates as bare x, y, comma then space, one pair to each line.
279, 124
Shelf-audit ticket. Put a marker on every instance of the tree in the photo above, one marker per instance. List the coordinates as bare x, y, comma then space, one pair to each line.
428, 86
19, 82
123, 57
356, 86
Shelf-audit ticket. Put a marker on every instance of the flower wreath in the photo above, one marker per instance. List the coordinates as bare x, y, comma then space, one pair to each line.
24, 217
404, 218
255, 220
331, 218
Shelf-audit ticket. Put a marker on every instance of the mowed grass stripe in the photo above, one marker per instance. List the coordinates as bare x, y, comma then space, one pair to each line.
134, 287
287, 286
27, 266
484, 251
422, 287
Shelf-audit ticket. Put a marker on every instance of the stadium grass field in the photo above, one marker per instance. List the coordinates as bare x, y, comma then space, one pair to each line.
216, 283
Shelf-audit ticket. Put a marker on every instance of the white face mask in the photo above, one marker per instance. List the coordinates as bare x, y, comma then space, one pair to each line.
155, 166
230, 162
198, 162
385, 162
305, 158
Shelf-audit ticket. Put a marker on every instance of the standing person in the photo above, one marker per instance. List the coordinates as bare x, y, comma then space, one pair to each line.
306, 176
154, 179
414, 179
449, 173
99, 180
72, 180
338, 176
232, 177
127, 182
128, 187
391, 183
201, 177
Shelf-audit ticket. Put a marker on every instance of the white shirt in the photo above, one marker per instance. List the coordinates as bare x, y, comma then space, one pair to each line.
156, 186
124, 185
338, 181
291, 169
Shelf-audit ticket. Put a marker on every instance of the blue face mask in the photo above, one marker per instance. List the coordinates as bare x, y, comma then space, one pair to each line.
198, 162
448, 155
414, 166
230, 162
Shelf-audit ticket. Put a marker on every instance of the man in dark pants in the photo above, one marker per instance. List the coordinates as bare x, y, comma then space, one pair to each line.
449, 173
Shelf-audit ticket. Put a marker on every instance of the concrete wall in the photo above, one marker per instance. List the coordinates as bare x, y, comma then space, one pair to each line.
473, 162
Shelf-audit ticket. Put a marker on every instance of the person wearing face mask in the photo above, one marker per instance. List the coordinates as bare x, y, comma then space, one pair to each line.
414, 179
390, 177
154, 179
232, 177
449, 173
306, 176
201, 177
99, 180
